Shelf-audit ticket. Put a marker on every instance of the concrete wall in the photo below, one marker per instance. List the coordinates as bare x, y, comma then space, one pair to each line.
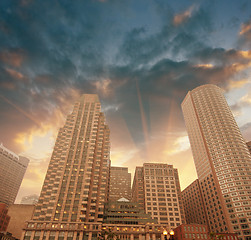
19, 214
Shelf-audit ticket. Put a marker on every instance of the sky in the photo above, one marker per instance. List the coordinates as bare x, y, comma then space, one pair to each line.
140, 56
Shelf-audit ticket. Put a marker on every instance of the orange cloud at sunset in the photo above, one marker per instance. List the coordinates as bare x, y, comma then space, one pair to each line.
182, 17
14, 58
245, 27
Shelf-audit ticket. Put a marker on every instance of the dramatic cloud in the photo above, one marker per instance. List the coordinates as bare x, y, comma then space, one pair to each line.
140, 57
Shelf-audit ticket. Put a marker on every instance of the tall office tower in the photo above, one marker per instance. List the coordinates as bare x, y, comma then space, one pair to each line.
76, 183
161, 191
193, 204
222, 160
12, 170
120, 184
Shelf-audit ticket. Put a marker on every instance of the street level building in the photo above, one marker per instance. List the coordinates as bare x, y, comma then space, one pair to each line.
12, 171
156, 187
222, 160
120, 184
191, 232
123, 211
19, 214
193, 204
4, 217
91, 231
76, 183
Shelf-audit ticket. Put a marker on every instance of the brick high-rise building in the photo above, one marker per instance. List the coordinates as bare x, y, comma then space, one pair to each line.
193, 204
12, 170
156, 188
76, 183
120, 184
222, 160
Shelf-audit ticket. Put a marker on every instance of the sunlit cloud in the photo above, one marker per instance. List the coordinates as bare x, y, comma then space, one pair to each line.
238, 83
245, 27
14, 57
209, 65
16, 74
181, 144
104, 87
184, 16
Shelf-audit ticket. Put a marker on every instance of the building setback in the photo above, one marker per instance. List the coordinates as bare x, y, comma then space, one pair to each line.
13, 168
31, 199
120, 184
193, 204
161, 193
76, 183
222, 160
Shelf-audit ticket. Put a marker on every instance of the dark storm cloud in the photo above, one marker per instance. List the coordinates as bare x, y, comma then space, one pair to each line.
141, 47
52, 51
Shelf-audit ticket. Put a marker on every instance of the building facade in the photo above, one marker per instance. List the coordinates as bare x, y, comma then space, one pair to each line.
123, 211
161, 193
13, 168
138, 190
192, 232
222, 160
249, 146
4, 217
193, 204
120, 184
19, 214
76, 183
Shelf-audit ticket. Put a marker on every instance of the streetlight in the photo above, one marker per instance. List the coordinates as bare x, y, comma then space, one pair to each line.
171, 233
165, 234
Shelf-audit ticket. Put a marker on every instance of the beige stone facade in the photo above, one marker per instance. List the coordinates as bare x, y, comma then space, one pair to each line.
161, 193
222, 160
13, 168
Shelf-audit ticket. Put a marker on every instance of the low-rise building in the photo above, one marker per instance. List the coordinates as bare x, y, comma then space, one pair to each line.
19, 214
125, 212
4, 217
191, 232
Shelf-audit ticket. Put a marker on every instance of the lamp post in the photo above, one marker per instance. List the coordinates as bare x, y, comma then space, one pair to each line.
165, 234
171, 235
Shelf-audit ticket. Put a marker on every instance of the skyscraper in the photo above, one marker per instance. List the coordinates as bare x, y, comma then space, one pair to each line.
76, 183
120, 184
12, 170
156, 188
221, 158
